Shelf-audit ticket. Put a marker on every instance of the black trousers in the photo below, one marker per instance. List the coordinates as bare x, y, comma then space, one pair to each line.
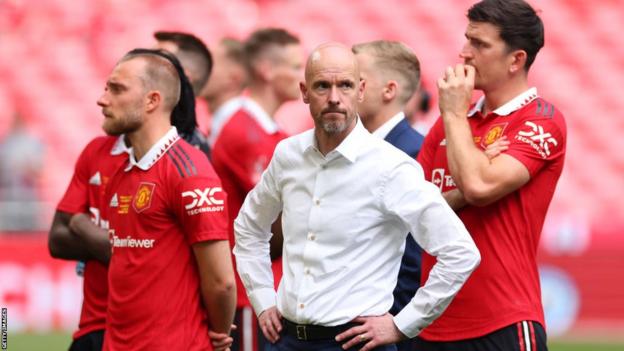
521, 336
89, 342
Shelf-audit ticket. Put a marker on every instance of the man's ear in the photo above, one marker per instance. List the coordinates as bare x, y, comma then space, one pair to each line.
304, 92
153, 99
518, 60
263, 69
361, 87
390, 91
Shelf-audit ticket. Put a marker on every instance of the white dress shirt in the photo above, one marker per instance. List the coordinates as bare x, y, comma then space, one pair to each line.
345, 217
383, 131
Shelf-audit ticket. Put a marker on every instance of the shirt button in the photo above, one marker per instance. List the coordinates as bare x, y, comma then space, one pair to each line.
311, 236
324, 166
301, 305
317, 202
307, 271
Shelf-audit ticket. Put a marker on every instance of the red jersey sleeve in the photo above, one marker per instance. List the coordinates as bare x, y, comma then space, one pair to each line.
427, 152
538, 140
76, 198
199, 204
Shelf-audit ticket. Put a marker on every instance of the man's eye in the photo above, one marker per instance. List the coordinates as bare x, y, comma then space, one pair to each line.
322, 86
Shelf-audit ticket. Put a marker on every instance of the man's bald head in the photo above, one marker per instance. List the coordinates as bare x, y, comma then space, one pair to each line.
333, 89
331, 56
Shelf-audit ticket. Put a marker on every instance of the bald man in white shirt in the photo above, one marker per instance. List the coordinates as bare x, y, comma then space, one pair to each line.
348, 199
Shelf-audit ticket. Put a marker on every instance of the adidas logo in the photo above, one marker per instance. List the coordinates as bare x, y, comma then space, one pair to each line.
114, 202
96, 179
443, 142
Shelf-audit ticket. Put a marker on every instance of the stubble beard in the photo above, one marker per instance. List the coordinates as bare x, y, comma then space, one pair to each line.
336, 127
131, 122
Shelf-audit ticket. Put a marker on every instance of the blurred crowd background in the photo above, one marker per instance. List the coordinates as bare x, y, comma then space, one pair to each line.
55, 56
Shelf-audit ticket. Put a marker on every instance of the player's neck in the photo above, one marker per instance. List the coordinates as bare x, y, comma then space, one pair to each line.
501, 95
265, 97
147, 136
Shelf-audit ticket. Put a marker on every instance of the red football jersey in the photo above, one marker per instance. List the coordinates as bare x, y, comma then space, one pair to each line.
158, 208
95, 166
242, 151
505, 288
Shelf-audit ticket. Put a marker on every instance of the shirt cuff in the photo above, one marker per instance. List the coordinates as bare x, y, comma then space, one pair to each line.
262, 299
407, 321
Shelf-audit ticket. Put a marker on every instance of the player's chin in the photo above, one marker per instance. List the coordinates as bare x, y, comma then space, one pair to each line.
110, 128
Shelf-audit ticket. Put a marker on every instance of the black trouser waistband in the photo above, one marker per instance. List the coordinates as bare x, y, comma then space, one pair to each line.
314, 332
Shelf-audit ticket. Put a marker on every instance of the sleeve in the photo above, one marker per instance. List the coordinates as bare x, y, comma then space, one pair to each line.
200, 206
537, 141
76, 198
438, 230
252, 230
427, 151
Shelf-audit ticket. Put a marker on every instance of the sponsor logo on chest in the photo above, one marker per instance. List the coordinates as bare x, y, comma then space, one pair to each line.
129, 242
442, 180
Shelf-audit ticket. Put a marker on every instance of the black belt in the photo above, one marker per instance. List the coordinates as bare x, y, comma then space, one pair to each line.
314, 332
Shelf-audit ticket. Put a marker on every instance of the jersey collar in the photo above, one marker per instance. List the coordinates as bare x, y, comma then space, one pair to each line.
222, 116
260, 116
120, 146
509, 107
155, 152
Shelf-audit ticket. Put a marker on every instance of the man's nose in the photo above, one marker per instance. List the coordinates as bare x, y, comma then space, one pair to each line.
102, 101
465, 52
334, 97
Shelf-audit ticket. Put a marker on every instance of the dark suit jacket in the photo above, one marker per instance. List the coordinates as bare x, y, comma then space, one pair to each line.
405, 138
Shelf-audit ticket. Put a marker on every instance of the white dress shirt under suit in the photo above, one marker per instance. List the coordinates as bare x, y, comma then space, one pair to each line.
345, 218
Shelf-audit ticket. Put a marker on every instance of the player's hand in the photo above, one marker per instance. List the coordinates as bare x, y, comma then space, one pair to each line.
497, 147
221, 341
270, 323
372, 332
455, 90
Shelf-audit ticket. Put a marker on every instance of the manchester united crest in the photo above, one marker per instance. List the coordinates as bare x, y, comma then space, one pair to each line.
495, 132
143, 196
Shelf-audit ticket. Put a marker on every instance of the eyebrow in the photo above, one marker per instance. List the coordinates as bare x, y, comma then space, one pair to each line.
115, 85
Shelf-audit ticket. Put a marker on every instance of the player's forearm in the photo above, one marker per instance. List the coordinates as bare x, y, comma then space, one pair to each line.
95, 238
62, 243
466, 162
220, 300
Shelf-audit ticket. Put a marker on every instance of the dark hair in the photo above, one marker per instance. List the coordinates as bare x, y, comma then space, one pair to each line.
193, 54
234, 50
261, 40
183, 115
520, 26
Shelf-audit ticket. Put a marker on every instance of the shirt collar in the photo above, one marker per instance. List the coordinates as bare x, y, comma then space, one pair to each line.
260, 116
222, 115
155, 152
350, 148
509, 107
383, 131
120, 146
